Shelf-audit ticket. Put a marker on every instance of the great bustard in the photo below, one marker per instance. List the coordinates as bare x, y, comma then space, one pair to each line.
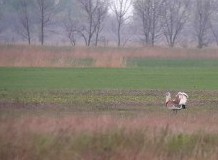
178, 103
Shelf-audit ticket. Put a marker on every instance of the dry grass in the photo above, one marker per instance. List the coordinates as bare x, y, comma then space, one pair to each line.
142, 129
96, 136
126, 130
182, 123
51, 56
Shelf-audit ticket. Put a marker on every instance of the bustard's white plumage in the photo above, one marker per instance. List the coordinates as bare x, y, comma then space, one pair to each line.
178, 103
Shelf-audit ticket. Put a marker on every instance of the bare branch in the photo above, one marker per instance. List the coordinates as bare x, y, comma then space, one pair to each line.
95, 11
203, 14
121, 8
148, 12
24, 18
46, 13
174, 18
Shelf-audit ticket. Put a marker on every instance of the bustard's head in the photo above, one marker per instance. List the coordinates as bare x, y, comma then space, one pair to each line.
168, 96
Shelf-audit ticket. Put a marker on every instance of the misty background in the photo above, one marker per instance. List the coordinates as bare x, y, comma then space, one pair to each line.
173, 23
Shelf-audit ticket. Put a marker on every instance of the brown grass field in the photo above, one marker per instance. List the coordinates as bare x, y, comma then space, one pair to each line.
136, 129
103, 124
36, 56
105, 136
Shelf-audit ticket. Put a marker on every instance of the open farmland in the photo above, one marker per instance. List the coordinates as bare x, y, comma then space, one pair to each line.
64, 103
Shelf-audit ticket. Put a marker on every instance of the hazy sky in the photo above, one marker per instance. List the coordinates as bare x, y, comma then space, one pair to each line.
130, 8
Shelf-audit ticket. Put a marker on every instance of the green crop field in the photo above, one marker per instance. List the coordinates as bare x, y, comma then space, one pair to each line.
90, 112
185, 78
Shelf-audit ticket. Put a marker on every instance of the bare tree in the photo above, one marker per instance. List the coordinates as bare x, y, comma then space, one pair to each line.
174, 17
101, 13
71, 29
148, 13
213, 23
25, 20
213, 26
202, 17
94, 13
46, 13
121, 8
1, 5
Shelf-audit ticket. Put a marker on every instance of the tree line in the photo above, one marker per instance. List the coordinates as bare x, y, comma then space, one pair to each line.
111, 22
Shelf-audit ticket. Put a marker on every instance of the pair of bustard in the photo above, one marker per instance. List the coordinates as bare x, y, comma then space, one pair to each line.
178, 103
